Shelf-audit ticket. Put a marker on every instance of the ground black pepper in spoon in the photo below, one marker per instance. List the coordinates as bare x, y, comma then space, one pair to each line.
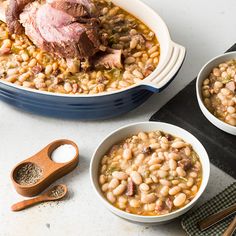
55, 193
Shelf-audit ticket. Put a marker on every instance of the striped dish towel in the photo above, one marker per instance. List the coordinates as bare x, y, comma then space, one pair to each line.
222, 200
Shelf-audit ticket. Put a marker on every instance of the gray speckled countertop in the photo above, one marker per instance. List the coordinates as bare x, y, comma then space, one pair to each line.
206, 29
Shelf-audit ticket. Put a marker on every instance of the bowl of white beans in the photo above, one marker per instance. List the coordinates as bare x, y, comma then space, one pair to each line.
216, 91
149, 172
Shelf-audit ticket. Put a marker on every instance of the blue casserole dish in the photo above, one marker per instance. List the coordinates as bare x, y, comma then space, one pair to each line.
108, 104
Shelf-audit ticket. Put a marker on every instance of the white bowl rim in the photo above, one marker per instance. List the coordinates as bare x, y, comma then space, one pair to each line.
105, 93
199, 92
128, 215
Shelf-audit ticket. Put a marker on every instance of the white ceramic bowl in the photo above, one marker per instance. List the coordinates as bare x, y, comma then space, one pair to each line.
126, 131
203, 74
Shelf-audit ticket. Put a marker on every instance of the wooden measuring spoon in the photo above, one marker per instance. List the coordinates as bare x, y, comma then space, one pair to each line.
55, 193
51, 171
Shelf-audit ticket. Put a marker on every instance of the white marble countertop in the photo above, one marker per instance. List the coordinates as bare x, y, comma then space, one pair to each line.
206, 28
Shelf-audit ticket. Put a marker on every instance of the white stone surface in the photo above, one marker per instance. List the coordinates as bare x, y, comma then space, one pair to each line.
206, 28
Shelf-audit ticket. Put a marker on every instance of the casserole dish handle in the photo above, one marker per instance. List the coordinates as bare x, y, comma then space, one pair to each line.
168, 71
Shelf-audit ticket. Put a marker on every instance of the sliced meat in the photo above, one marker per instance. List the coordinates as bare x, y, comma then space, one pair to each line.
14, 9
5, 51
169, 203
160, 206
110, 59
27, 18
63, 27
169, 137
52, 29
60, 33
231, 86
147, 150
37, 69
130, 188
75, 8
185, 163
67, 37
3, 7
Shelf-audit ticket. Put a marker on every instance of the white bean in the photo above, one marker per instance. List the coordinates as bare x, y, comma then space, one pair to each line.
133, 32
164, 146
153, 49
138, 74
165, 182
25, 56
165, 167
154, 145
32, 63
187, 151
153, 161
114, 183
161, 157
180, 171
127, 154
142, 136
174, 156
122, 199
111, 198
48, 69
190, 182
67, 86
148, 181
129, 60
150, 207
144, 187
136, 177
174, 190
164, 191
179, 199
120, 175
194, 189
139, 159
162, 173
175, 182
104, 168
119, 189
105, 187
154, 178
155, 54
183, 185
134, 203
187, 192
148, 198
178, 144
121, 205
102, 179
154, 167
164, 140
193, 174
172, 164
133, 43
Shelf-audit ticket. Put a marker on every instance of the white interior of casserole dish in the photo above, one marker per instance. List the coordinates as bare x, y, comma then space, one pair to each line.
126, 131
153, 21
